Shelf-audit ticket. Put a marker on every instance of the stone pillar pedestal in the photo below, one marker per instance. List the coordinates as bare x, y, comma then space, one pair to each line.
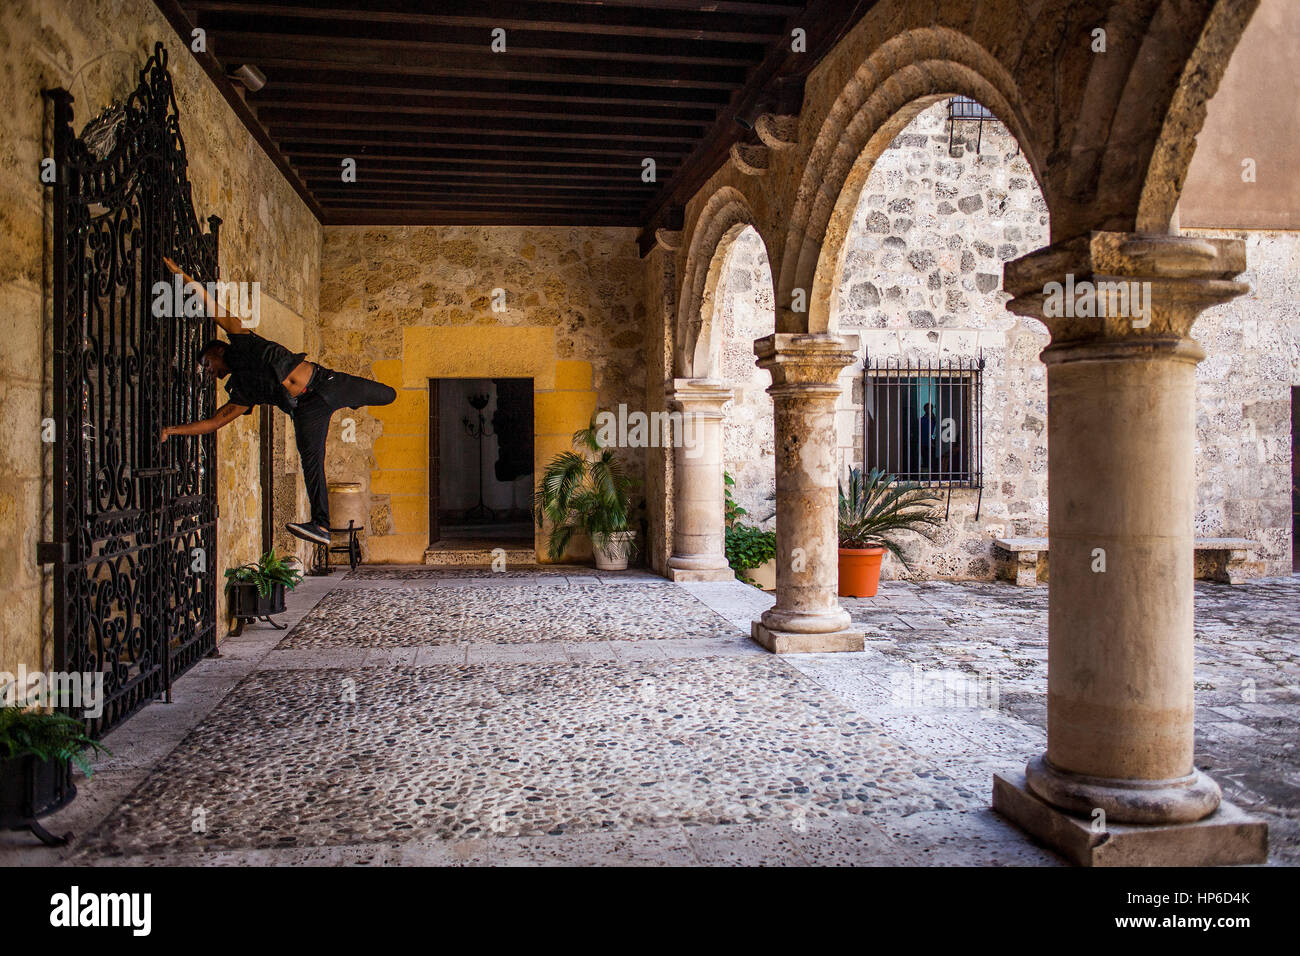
807, 617
699, 508
1121, 502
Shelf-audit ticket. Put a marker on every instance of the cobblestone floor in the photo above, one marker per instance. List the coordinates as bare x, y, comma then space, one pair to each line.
425, 716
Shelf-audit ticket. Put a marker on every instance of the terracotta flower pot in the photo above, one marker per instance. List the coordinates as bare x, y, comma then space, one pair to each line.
860, 571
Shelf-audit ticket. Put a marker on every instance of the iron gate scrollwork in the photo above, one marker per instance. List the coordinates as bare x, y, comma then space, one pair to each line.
134, 521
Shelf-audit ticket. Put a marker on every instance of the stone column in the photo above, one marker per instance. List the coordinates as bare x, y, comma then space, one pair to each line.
807, 616
699, 552
1121, 501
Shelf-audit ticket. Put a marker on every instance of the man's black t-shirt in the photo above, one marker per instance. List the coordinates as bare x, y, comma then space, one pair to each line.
258, 367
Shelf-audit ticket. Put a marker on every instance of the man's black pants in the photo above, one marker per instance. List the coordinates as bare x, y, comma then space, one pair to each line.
326, 393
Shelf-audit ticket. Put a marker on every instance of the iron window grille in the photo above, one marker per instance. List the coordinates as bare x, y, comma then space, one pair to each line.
965, 109
923, 422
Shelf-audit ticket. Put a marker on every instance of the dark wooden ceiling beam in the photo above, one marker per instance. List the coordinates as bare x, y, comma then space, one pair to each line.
321, 185
440, 40
331, 170
536, 89
603, 20
453, 201
357, 143
282, 121
363, 102
497, 216
777, 7
268, 51
480, 166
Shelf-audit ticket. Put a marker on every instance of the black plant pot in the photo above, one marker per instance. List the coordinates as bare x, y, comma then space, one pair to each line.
247, 605
246, 602
31, 788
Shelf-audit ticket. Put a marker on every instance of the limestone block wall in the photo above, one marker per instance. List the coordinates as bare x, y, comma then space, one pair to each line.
95, 48
1243, 392
406, 304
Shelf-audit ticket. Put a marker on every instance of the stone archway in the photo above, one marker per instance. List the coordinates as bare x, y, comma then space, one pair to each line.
919, 281
698, 394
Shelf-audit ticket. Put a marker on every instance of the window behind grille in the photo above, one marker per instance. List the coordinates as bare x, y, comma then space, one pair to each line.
923, 421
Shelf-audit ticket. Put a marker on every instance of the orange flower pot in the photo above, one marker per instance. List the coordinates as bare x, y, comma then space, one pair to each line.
860, 571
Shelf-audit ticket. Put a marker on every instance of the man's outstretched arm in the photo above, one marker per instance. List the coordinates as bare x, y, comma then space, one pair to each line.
226, 414
226, 320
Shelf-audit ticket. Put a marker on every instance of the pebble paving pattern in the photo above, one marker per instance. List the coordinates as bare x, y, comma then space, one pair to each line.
382, 573
1247, 673
512, 750
820, 757
503, 614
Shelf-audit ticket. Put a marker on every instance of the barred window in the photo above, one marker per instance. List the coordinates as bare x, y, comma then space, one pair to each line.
923, 420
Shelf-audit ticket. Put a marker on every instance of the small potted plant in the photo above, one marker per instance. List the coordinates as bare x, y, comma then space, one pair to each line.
35, 777
874, 510
587, 492
257, 590
749, 548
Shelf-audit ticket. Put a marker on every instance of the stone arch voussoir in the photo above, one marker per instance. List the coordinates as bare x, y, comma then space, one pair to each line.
696, 343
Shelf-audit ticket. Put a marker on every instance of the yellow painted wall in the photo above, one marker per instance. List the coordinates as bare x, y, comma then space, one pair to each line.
406, 304
563, 401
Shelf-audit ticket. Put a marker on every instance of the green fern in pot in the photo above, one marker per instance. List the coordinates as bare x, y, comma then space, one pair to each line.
270, 570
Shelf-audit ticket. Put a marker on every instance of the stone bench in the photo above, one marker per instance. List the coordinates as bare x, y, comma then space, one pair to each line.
1024, 560
1021, 560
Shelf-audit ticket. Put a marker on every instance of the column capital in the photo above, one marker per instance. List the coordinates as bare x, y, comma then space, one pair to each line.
1122, 290
805, 361
698, 395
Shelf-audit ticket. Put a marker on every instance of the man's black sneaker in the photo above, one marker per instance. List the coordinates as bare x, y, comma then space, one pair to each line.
309, 531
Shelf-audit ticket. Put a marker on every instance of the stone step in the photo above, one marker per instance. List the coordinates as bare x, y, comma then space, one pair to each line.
479, 557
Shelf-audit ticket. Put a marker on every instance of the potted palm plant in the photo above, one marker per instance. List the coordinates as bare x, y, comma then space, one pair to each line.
587, 492
874, 510
36, 749
257, 590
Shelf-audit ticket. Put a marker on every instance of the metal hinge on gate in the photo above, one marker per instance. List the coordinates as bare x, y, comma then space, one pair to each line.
51, 552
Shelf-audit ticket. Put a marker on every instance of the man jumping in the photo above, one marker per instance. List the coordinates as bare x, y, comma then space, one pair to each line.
263, 372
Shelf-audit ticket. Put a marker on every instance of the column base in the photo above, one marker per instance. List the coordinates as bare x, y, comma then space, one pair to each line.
790, 642
1227, 837
1182, 800
694, 574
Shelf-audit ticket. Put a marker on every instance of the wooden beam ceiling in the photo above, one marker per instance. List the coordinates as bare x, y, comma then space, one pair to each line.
554, 130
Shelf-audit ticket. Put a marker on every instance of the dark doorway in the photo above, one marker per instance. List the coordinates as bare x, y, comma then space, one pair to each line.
481, 461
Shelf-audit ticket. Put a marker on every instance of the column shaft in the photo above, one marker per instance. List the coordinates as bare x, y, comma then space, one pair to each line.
807, 616
1121, 504
699, 545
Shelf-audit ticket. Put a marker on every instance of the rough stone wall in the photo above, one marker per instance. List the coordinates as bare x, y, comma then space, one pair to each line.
1243, 392
95, 48
747, 312
573, 320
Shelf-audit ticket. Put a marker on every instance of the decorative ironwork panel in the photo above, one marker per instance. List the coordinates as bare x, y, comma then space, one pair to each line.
135, 580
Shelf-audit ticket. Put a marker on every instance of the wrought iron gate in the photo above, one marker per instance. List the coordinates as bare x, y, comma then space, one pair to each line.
134, 522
